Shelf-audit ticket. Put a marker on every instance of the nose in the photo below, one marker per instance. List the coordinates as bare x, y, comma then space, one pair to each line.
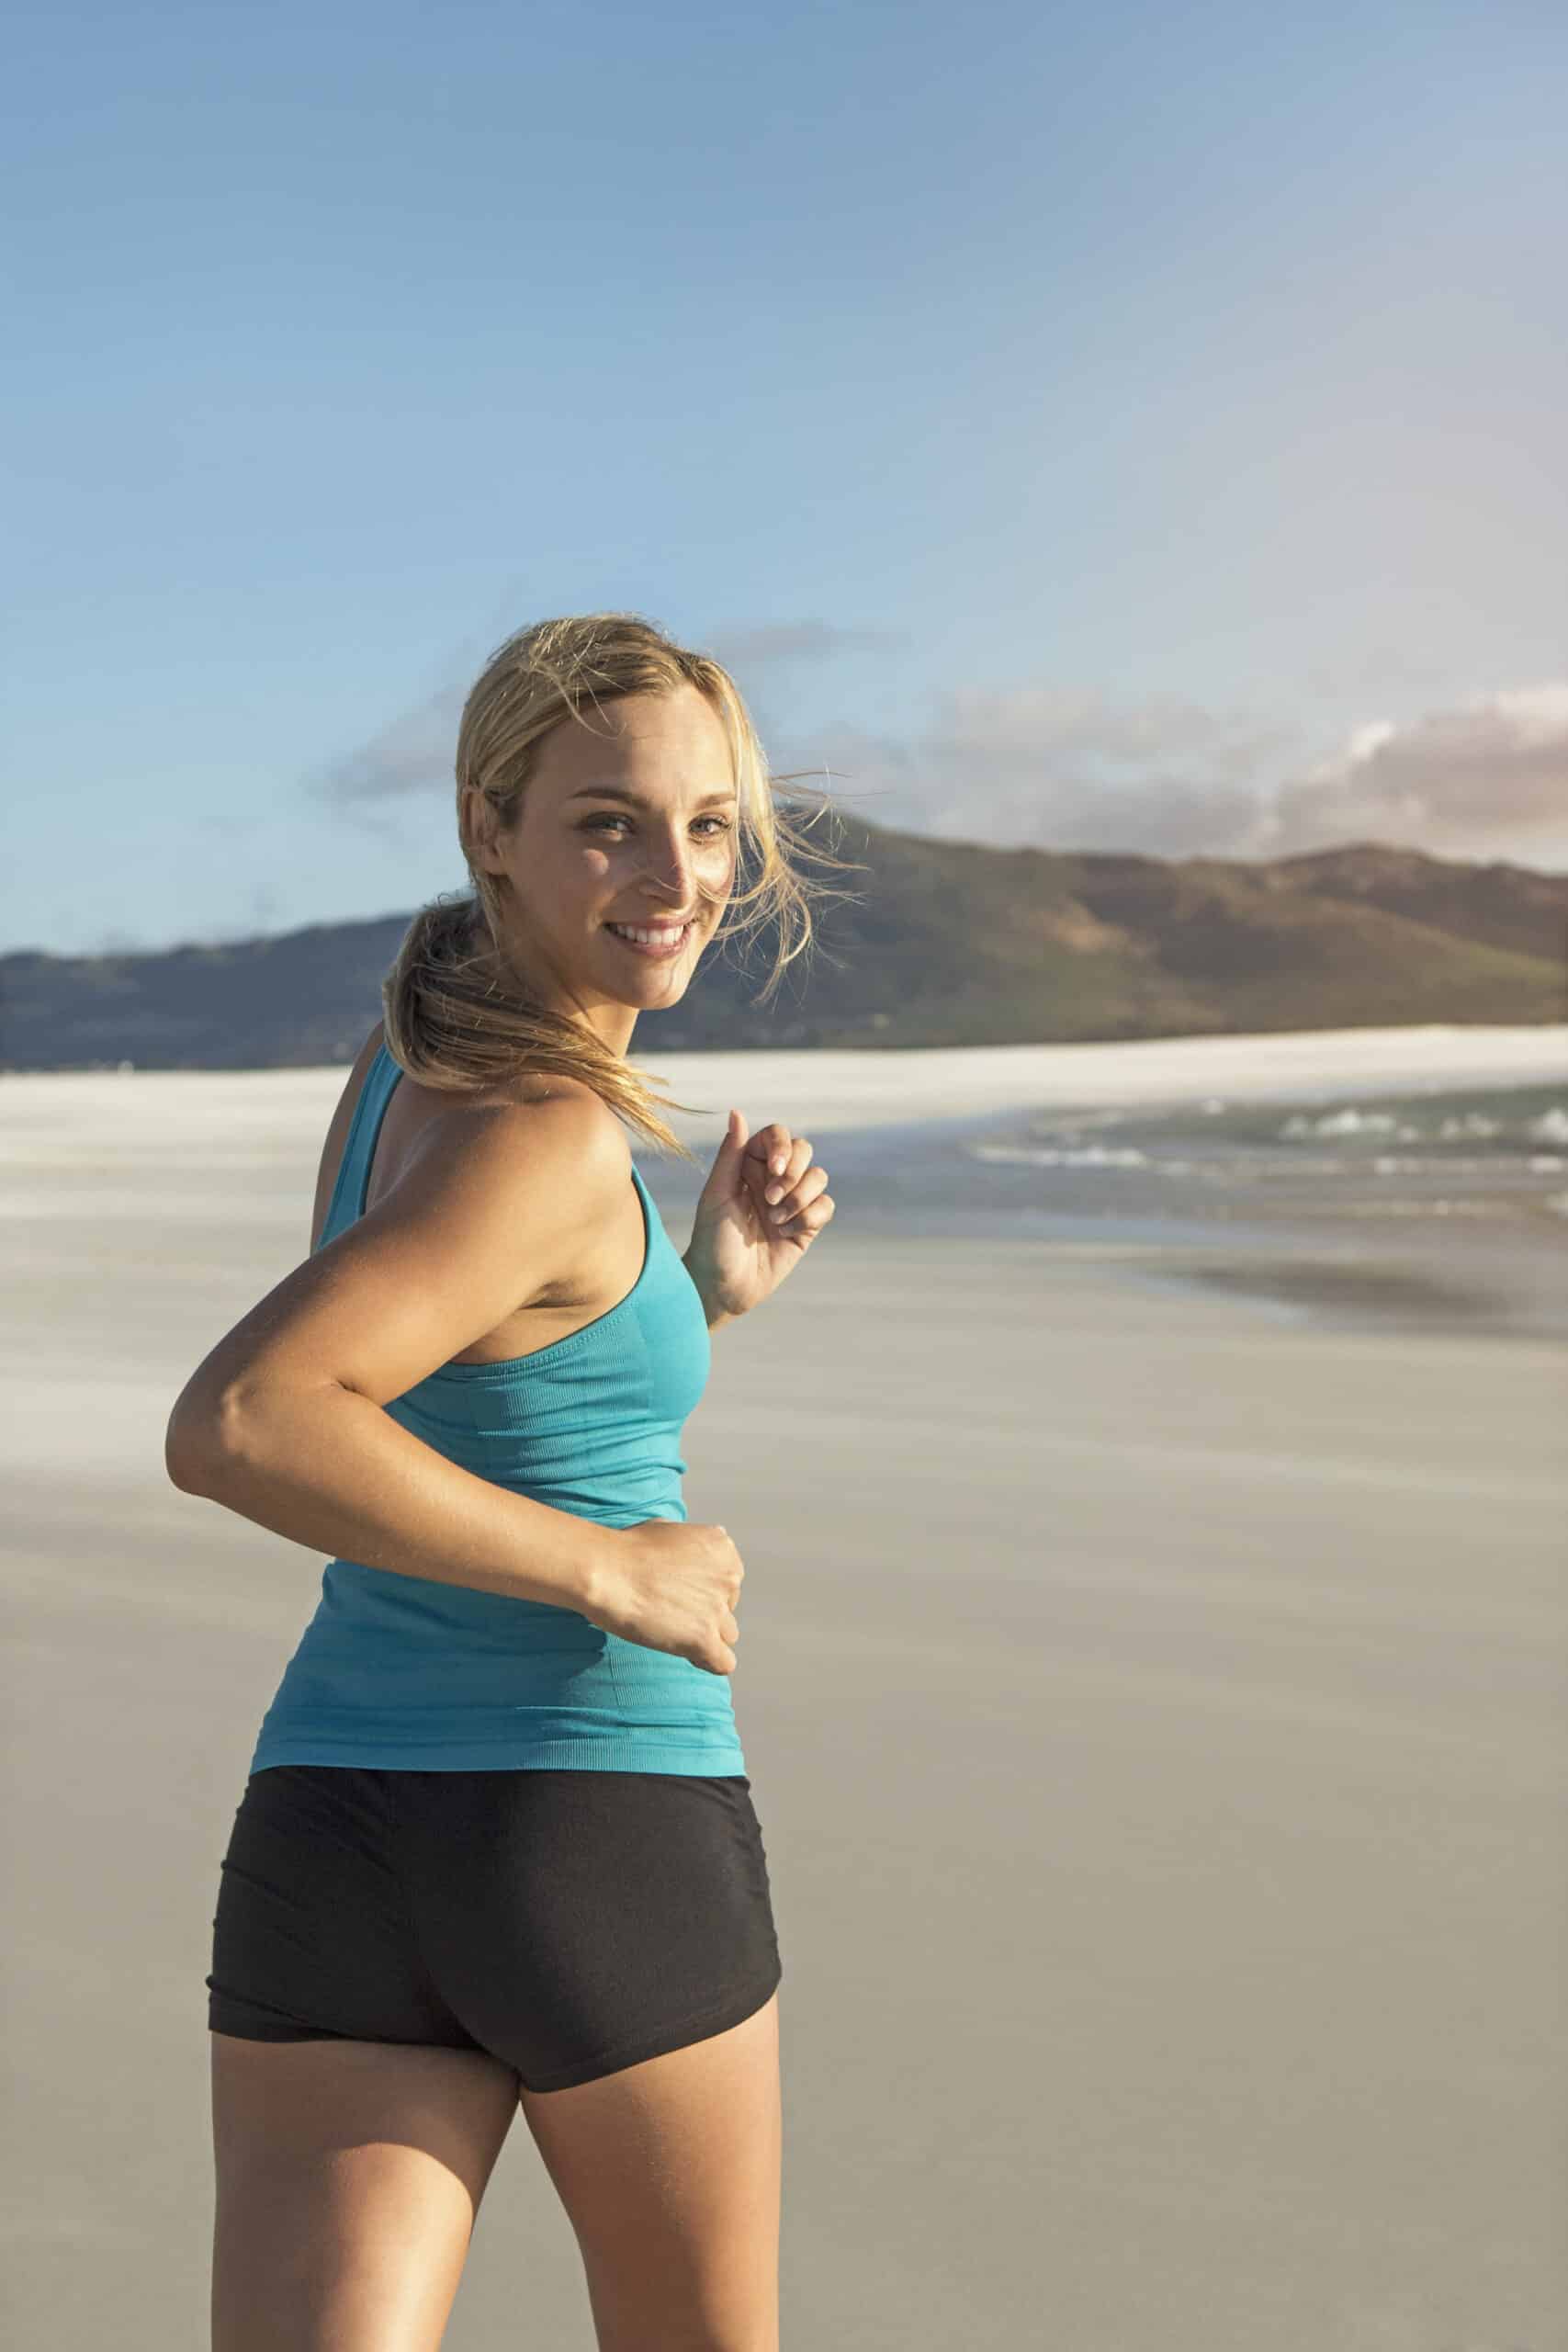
672, 865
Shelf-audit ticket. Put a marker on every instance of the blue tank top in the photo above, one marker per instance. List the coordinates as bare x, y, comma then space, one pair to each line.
406, 1672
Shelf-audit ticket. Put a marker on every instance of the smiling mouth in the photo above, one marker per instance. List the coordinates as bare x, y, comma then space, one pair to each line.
659, 942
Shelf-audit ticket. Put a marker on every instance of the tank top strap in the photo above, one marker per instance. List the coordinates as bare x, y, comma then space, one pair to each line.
347, 1202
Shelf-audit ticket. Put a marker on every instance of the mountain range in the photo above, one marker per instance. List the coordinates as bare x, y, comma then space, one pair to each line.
943, 943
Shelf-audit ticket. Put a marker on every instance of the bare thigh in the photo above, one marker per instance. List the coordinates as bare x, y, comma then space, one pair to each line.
669, 2173
348, 2177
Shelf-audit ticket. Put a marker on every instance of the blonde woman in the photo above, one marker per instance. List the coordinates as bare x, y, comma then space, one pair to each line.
496, 1845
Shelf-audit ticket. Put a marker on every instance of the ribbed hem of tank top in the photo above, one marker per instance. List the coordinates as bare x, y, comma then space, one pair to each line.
489, 1756
507, 1371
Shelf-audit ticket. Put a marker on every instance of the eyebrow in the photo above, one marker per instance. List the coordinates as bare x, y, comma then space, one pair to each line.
619, 791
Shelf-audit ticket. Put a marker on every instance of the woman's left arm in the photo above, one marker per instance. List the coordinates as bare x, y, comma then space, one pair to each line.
763, 1204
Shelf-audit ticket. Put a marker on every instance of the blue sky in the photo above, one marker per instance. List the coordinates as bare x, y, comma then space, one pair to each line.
1136, 427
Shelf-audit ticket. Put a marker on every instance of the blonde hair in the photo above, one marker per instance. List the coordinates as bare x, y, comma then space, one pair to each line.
457, 1012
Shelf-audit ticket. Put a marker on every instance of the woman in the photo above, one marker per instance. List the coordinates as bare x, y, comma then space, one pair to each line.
496, 1844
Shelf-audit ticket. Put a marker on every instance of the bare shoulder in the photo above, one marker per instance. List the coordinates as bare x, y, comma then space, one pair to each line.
524, 1090
572, 1100
535, 1125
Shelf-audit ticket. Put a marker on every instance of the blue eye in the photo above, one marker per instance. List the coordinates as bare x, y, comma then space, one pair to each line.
593, 822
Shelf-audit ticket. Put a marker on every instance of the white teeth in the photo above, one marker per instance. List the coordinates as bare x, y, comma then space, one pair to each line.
651, 938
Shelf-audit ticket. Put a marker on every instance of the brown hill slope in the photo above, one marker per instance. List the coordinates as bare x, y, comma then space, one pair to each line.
946, 944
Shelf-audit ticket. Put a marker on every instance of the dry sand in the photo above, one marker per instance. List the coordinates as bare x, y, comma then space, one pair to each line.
1154, 1708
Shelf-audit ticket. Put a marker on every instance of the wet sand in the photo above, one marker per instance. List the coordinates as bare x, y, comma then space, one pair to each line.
1152, 1697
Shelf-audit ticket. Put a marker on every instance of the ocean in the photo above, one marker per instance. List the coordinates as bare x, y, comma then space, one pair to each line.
1431, 1206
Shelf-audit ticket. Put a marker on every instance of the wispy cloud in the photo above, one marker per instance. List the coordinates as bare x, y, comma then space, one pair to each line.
1055, 767
745, 651
412, 755
1088, 768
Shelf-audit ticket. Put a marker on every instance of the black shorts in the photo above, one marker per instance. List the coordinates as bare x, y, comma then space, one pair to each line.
569, 1923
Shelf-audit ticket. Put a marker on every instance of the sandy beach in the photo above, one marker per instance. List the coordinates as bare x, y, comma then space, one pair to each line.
1152, 1685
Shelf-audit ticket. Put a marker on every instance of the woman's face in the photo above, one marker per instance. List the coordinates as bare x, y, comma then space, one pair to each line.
634, 823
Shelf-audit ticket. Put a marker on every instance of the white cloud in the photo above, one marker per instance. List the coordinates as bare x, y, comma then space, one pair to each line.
1065, 768
1084, 769
1494, 768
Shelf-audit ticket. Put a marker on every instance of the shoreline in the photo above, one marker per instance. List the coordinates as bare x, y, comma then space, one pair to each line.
917, 1144
866, 1086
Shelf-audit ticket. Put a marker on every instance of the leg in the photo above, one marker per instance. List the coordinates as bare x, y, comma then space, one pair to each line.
348, 2177
669, 2173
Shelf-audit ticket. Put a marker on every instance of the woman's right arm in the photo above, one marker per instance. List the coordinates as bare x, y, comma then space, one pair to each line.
283, 1422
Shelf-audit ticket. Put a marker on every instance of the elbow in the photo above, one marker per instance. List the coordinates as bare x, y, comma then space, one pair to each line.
189, 1449
198, 1438
208, 1436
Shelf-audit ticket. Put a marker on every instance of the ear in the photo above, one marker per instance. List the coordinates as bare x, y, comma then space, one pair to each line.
476, 828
